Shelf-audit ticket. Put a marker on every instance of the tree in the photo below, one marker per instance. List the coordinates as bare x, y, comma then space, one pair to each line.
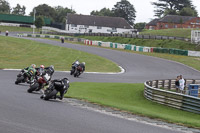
62, 13
39, 22
18, 10
103, 12
171, 7
125, 10
139, 26
45, 11
187, 11
4, 7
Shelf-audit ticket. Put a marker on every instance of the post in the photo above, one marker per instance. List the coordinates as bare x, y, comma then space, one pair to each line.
34, 11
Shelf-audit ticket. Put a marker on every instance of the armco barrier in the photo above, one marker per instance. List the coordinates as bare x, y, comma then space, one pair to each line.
169, 98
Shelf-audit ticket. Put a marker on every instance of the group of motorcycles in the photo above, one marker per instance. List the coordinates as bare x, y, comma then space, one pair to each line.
42, 78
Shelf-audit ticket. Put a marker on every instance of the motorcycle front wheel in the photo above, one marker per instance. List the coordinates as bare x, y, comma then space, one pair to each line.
33, 87
49, 94
19, 80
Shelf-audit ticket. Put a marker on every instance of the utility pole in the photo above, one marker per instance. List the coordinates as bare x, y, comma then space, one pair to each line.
34, 11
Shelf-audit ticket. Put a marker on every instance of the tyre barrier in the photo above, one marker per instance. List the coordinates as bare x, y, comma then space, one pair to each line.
161, 91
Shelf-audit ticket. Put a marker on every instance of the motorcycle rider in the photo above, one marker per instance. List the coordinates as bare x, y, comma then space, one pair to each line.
74, 65
47, 75
31, 72
62, 85
82, 65
49, 70
40, 71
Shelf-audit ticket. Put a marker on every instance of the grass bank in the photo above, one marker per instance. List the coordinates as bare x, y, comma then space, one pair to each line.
130, 97
16, 29
147, 42
20, 53
178, 32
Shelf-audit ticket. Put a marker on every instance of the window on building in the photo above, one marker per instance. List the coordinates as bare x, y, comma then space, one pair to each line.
198, 21
175, 26
99, 27
189, 26
73, 25
166, 26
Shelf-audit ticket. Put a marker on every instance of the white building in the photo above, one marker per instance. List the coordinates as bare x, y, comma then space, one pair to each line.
96, 24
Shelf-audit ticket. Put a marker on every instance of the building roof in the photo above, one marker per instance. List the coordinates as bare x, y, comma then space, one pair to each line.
103, 21
175, 19
153, 22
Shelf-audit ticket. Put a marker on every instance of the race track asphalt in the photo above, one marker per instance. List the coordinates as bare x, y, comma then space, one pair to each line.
21, 112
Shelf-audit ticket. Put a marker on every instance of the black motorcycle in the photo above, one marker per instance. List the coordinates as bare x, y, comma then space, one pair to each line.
74, 66
55, 86
24, 76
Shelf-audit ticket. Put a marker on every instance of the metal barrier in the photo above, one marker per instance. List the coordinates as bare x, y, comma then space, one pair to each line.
160, 91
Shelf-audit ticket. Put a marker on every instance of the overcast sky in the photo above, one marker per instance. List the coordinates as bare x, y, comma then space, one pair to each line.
143, 7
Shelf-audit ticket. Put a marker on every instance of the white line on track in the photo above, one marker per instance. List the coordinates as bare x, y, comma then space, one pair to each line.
122, 71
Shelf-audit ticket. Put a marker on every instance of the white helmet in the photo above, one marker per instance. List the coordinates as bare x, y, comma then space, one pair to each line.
33, 65
83, 63
52, 66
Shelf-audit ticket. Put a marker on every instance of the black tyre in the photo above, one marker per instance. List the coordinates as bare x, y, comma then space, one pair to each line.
50, 94
71, 72
33, 87
19, 80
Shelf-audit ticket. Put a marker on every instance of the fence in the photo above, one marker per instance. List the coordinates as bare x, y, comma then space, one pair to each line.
161, 91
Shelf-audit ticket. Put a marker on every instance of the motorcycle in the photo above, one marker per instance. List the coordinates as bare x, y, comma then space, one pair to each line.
78, 71
54, 88
37, 85
74, 65
24, 76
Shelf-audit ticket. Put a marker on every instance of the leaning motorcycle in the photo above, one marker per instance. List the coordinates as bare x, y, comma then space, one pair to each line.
74, 66
53, 89
37, 85
24, 76
78, 71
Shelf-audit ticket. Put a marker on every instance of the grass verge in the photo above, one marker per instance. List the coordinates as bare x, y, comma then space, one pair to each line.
147, 42
178, 32
16, 29
20, 53
130, 97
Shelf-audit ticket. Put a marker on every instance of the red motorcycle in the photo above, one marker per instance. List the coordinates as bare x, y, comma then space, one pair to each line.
39, 84
78, 71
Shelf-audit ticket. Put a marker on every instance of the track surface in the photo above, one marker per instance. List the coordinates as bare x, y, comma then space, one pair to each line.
21, 112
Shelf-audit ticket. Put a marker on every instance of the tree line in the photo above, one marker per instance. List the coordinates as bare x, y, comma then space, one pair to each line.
122, 9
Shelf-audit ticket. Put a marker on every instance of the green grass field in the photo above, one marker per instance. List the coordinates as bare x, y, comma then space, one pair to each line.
169, 32
129, 97
20, 53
